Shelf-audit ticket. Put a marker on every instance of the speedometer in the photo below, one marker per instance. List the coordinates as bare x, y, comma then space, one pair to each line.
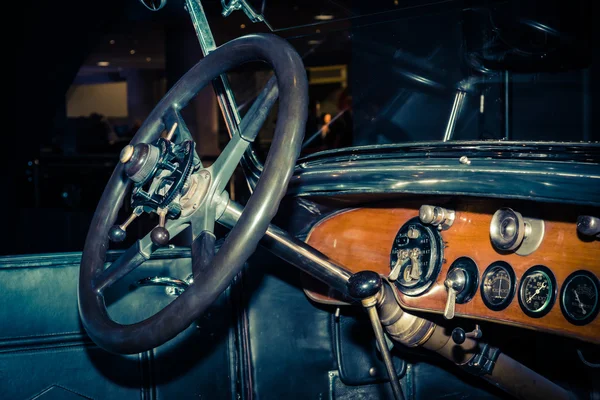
537, 291
416, 257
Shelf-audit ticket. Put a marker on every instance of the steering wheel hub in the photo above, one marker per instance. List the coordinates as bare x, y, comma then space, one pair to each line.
195, 192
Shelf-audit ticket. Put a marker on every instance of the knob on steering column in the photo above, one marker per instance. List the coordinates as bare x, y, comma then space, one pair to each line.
459, 335
364, 284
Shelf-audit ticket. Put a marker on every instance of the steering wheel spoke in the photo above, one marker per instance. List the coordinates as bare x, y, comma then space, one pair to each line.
224, 166
133, 257
127, 262
203, 252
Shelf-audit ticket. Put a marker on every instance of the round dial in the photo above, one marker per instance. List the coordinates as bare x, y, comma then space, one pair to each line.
416, 257
498, 285
537, 291
579, 297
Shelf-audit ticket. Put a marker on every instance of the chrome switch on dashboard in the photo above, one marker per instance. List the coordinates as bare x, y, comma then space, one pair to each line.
441, 217
455, 284
461, 283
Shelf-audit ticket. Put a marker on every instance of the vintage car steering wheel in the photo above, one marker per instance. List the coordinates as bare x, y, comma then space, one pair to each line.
169, 180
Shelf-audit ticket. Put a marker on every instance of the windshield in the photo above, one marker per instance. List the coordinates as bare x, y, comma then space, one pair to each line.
405, 71
387, 72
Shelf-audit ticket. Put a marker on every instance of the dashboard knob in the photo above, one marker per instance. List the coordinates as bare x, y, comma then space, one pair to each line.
588, 225
455, 283
441, 217
459, 335
427, 214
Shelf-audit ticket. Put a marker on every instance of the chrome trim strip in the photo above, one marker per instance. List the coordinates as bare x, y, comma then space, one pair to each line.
552, 172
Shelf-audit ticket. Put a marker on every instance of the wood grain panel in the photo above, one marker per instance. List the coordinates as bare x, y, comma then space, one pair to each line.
362, 239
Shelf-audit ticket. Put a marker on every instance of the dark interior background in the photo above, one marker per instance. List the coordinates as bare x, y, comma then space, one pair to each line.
385, 71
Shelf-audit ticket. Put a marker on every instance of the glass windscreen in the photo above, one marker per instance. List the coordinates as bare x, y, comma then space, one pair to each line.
407, 71
380, 72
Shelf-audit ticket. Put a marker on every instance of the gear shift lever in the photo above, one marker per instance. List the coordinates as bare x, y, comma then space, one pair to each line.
366, 285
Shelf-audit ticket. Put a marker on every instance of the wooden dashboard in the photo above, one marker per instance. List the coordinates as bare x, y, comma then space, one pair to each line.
362, 238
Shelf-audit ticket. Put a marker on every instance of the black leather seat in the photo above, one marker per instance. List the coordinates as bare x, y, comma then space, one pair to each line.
45, 353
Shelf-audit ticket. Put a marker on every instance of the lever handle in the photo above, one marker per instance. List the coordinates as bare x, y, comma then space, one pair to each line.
160, 235
450, 304
385, 352
169, 136
455, 283
366, 285
117, 233
415, 264
402, 259
459, 336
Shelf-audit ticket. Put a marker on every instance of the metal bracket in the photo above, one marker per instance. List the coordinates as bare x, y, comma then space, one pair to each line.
173, 286
240, 5
483, 362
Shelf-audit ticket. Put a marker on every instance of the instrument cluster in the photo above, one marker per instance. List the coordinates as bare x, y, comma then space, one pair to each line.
537, 292
537, 289
417, 256
533, 265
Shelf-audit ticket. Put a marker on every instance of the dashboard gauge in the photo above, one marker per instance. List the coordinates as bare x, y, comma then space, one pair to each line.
498, 285
537, 291
579, 297
416, 257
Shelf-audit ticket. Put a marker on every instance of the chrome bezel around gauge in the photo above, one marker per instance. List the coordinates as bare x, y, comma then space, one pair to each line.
547, 274
590, 278
430, 254
512, 284
471, 273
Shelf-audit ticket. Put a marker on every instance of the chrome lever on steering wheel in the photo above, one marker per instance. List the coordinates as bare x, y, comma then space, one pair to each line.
159, 172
